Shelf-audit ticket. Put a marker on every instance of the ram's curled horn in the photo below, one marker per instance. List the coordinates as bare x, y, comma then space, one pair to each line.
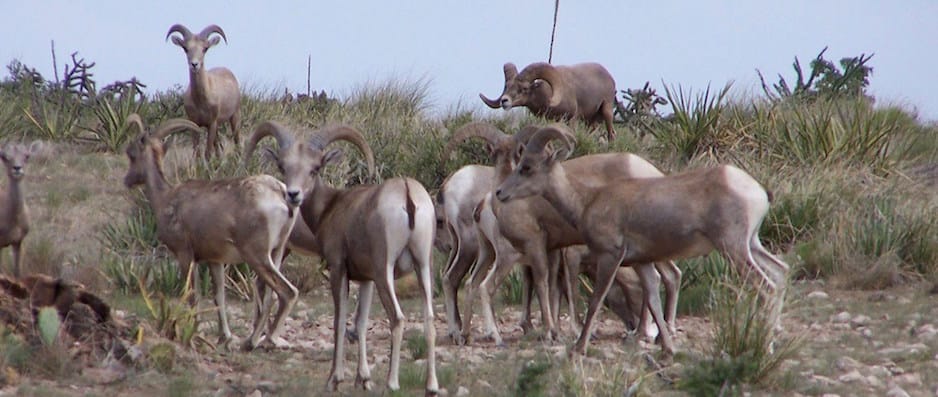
475, 129
325, 136
492, 103
548, 73
135, 120
511, 71
525, 134
554, 131
269, 128
212, 29
174, 125
177, 28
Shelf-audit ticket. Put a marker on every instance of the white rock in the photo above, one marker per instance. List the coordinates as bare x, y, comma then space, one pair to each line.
846, 363
462, 392
830, 395
860, 320
874, 382
896, 391
910, 379
818, 295
852, 377
841, 317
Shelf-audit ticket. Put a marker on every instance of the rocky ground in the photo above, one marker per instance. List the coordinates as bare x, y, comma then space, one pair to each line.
853, 343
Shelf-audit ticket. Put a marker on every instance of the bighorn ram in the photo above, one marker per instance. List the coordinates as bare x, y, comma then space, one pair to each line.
213, 96
584, 91
14, 216
367, 233
632, 222
532, 225
218, 222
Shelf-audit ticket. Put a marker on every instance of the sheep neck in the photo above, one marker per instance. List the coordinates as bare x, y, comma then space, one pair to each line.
155, 186
198, 86
15, 206
566, 196
320, 201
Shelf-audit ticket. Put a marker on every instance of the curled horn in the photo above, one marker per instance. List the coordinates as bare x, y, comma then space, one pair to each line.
526, 133
475, 129
277, 130
548, 73
212, 29
554, 131
324, 137
177, 28
511, 71
174, 125
135, 120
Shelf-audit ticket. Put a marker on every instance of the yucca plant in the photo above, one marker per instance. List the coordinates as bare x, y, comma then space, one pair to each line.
110, 109
693, 125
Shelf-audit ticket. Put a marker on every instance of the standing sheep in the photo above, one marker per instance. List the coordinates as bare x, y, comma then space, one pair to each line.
14, 216
584, 91
213, 96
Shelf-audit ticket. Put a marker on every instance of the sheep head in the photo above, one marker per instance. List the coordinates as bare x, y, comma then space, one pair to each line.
537, 87
532, 174
196, 45
15, 156
302, 162
147, 148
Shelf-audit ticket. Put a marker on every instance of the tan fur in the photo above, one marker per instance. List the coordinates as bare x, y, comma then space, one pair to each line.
213, 96
584, 91
219, 222
14, 214
633, 222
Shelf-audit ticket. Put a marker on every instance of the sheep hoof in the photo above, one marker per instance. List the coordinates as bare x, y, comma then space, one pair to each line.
457, 338
352, 335
278, 343
365, 383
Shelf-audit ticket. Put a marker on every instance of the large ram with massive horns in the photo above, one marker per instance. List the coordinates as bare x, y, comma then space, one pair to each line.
584, 91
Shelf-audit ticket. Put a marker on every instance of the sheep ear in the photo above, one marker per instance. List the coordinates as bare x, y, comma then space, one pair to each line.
214, 41
333, 156
179, 41
35, 147
270, 154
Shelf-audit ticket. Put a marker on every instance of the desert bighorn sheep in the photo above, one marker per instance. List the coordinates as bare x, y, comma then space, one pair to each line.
367, 233
584, 91
458, 196
14, 223
533, 226
633, 222
218, 222
213, 96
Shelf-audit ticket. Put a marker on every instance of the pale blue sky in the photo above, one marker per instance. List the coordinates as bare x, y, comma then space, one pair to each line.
461, 46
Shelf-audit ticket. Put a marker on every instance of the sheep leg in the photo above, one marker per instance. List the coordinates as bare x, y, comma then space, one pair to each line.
608, 113
553, 286
218, 278
286, 294
504, 262
671, 277
210, 145
17, 258
452, 279
338, 280
527, 293
606, 266
385, 286
235, 121
365, 292
651, 281
426, 286
484, 263
540, 271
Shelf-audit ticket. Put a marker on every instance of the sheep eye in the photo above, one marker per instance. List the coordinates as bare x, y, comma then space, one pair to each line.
525, 170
